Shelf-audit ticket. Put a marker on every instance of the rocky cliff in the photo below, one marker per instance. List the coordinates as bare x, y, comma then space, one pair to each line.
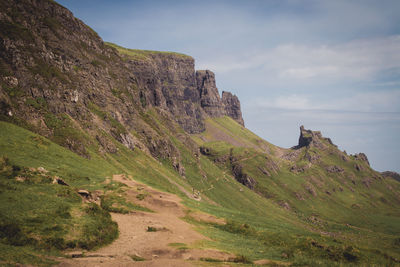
232, 107
212, 103
58, 76
312, 138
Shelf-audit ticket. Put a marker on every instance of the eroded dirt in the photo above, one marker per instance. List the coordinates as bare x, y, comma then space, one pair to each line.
169, 245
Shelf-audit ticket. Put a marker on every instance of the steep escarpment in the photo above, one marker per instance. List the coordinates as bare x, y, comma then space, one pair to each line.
232, 107
169, 81
209, 97
58, 78
212, 103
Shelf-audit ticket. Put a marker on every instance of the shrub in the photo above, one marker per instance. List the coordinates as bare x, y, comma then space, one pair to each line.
141, 196
151, 229
108, 202
137, 258
238, 228
99, 229
241, 259
48, 71
351, 254
210, 260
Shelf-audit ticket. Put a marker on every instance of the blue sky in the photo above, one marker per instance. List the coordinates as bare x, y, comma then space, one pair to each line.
332, 66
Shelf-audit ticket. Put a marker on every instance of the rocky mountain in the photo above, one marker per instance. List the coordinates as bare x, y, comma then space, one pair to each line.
76, 112
61, 66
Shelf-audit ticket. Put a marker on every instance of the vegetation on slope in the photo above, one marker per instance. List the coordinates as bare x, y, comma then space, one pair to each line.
342, 208
139, 54
259, 227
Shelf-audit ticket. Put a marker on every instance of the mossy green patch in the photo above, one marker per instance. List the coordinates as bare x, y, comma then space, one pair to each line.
143, 54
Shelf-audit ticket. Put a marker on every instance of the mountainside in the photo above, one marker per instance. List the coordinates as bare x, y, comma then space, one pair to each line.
77, 114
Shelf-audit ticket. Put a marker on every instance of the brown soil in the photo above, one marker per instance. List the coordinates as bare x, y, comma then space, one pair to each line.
154, 247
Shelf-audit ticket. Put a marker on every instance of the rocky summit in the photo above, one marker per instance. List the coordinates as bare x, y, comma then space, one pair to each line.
111, 156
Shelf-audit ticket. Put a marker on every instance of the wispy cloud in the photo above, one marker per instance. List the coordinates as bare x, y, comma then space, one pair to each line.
358, 59
385, 101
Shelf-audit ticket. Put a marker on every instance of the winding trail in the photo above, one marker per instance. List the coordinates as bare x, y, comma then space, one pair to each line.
135, 241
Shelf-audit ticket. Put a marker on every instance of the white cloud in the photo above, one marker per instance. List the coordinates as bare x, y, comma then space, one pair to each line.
356, 60
383, 101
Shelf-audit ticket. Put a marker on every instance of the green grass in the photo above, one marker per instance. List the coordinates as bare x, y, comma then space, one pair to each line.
143, 54
180, 246
35, 213
258, 227
137, 258
376, 223
116, 203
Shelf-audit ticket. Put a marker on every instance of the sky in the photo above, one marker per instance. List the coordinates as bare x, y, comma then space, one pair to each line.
332, 66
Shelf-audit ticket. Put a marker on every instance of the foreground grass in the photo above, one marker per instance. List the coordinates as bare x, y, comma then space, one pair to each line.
38, 214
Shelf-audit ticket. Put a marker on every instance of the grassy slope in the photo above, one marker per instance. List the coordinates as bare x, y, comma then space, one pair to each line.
258, 228
369, 216
58, 207
25, 148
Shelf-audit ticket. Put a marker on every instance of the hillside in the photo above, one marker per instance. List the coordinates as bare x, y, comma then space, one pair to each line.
94, 136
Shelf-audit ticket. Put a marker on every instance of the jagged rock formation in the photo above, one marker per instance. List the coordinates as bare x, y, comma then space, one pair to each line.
312, 138
211, 102
209, 97
232, 107
362, 157
390, 174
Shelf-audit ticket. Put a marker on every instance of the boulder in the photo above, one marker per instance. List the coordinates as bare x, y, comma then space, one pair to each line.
361, 157
334, 169
58, 180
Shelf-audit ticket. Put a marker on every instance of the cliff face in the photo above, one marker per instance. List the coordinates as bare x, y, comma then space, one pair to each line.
211, 102
168, 81
210, 99
232, 107
57, 73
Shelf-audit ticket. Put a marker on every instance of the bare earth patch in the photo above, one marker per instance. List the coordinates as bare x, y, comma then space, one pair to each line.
144, 236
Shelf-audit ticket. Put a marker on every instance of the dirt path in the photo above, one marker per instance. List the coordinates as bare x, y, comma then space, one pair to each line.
155, 247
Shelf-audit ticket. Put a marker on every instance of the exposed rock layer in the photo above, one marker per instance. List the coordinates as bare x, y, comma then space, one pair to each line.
312, 138
56, 73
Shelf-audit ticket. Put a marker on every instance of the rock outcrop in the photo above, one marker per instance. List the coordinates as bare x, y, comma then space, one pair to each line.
232, 107
312, 138
209, 96
243, 178
167, 81
361, 157
390, 174
212, 103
